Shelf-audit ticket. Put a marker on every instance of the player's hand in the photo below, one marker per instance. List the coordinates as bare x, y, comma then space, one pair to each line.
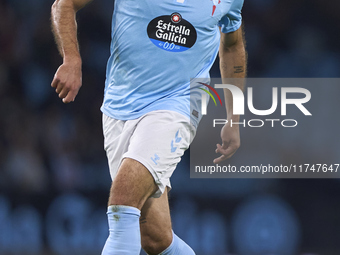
230, 142
67, 81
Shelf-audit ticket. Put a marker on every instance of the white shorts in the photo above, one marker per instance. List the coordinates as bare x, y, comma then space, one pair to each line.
157, 140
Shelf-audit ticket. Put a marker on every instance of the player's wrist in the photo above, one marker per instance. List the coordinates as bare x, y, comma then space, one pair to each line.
232, 117
72, 59
231, 121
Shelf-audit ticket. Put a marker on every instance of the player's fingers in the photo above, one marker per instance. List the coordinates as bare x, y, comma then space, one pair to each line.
223, 147
223, 157
230, 153
63, 92
219, 159
227, 152
59, 88
55, 82
70, 97
218, 147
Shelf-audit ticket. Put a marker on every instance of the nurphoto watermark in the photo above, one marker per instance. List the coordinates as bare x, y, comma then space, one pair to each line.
288, 127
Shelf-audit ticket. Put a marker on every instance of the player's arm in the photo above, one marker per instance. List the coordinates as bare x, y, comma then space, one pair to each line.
232, 65
68, 78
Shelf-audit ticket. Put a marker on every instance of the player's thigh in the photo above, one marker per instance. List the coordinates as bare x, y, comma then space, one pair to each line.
133, 184
155, 222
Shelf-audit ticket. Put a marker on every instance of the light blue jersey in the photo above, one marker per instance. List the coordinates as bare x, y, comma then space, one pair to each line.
157, 47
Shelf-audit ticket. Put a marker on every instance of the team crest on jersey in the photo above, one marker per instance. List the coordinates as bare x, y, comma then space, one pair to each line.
172, 33
215, 3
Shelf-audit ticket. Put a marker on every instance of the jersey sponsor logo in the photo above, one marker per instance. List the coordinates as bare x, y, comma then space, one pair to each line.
215, 3
172, 33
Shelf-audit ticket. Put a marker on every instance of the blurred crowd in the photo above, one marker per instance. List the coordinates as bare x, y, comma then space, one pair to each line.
44, 144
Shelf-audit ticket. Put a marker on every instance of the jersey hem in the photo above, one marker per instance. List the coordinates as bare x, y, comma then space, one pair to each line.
131, 116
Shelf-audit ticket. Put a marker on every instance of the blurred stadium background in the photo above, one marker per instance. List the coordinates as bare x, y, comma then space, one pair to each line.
53, 167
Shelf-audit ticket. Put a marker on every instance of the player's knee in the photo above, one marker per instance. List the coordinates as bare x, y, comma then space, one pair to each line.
155, 247
132, 185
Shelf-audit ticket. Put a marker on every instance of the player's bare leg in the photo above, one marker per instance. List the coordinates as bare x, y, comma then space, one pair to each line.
155, 225
156, 232
130, 189
133, 185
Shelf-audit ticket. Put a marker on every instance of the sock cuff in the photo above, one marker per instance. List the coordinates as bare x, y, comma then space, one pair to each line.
178, 247
123, 209
167, 250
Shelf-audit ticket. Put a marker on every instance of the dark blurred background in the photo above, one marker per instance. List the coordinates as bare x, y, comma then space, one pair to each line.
54, 178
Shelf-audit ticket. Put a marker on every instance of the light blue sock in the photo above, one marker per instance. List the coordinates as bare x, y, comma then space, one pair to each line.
124, 237
178, 247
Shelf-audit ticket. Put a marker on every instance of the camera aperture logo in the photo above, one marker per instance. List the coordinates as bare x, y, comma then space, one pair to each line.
239, 105
204, 97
